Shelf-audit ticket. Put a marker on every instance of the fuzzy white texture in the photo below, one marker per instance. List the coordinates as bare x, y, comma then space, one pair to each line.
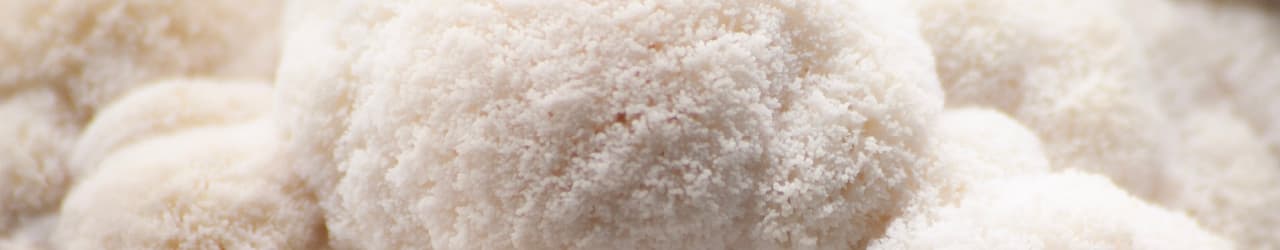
1064, 68
975, 145
96, 50
993, 190
1214, 53
1070, 210
656, 124
1227, 179
60, 60
198, 186
213, 188
150, 111
1213, 67
987, 144
32, 235
607, 124
35, 133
